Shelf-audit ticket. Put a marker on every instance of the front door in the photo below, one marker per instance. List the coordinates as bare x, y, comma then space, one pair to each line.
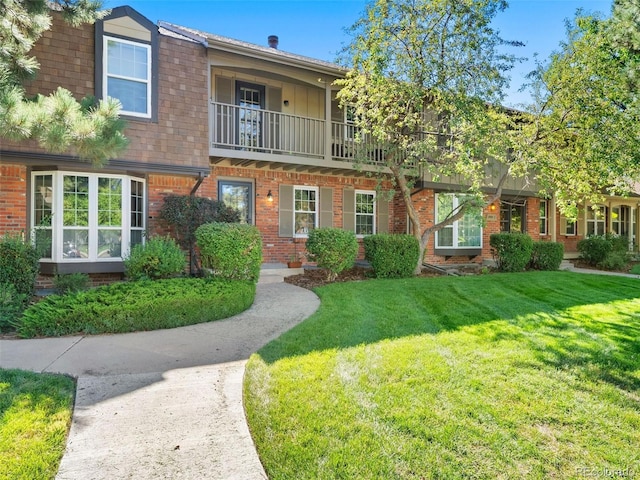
238, 195
250, 99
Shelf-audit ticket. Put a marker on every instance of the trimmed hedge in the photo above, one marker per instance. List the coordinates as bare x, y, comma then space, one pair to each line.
231, 251
135, 306
512, 251
333, 249
158, 257
546, 255
19, 265
392, 256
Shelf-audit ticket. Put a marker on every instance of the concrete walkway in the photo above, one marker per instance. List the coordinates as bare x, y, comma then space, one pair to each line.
168, 403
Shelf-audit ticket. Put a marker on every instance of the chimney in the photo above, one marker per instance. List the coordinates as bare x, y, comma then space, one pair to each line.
273, 41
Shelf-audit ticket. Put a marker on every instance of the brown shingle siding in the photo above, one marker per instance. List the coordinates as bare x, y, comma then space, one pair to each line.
180, 137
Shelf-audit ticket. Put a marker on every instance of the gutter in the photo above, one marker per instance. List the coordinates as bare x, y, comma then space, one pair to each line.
172, 28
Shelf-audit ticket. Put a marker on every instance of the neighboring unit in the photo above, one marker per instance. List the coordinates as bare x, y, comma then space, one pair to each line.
253, 126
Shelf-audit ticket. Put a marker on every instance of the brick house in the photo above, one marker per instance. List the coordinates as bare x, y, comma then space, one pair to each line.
251, 125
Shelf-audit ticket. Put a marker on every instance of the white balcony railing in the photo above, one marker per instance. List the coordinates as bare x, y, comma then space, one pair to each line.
245, 129
258, 130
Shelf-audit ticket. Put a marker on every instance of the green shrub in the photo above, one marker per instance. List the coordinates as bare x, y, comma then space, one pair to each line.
596, 249
512, 251
11, 306
19, 265
546, 255
185, 213
135, 306
70, 283
230, 250
614, 261
392, 256
158, 257
333, 249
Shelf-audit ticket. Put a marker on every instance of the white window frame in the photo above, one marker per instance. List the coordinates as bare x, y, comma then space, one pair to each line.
372, 214
574, 228
57, 227
454, 226
596, 217
544, 219
106, 75
316, 213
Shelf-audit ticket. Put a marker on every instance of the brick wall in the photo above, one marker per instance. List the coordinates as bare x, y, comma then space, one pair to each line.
13, 198
276, 248
180, 137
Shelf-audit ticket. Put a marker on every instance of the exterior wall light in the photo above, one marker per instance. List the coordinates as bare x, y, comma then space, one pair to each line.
269, 196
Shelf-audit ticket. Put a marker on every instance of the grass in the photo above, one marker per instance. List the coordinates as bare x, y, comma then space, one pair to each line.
533, 375
35, 415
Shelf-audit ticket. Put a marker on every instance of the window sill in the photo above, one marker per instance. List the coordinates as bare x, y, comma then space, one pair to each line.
457, 252
52, 268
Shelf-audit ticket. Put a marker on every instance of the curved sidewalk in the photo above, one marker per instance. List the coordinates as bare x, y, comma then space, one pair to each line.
167, 403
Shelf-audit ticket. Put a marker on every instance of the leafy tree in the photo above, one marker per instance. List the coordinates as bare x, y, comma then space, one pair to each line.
426, 81
584, 128
58, 122
425, 76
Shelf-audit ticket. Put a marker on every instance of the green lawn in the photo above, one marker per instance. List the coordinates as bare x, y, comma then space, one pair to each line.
35, 416
533, 375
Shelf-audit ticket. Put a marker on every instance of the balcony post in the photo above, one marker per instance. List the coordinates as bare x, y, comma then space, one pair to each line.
327, 122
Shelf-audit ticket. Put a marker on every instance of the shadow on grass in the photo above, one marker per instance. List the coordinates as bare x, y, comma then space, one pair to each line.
569, 320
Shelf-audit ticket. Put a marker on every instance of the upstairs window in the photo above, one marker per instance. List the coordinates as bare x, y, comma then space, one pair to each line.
127, 75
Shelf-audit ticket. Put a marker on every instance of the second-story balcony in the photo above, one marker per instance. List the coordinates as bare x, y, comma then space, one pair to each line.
245, 135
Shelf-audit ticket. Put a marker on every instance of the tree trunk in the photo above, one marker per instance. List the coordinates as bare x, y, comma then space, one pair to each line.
423, 236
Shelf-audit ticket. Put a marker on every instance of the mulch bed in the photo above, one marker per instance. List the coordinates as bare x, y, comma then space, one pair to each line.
317, 277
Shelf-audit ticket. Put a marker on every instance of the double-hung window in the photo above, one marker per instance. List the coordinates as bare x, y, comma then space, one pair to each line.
464, 233
86, 217
544, 215
127, 75
365, 212
596, 220
305, 210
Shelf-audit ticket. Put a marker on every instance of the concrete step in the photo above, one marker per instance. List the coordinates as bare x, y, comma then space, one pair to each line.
275, 272
566, 265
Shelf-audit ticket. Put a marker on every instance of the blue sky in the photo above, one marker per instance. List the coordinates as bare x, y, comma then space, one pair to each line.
315, 28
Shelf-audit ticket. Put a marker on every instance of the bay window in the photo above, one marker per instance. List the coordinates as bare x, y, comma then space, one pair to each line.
463, 236
86, 217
